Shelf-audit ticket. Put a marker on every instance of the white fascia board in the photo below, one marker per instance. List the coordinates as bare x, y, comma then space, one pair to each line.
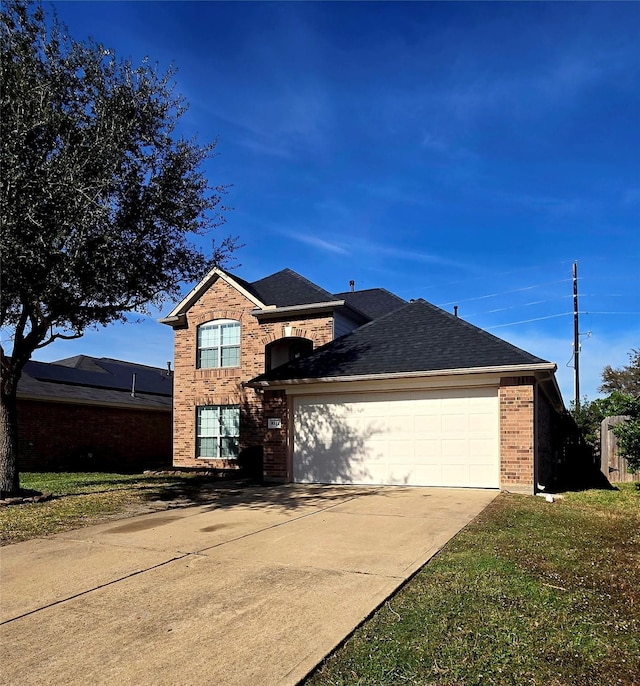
508, 369
372, 387
197, 291
273, 311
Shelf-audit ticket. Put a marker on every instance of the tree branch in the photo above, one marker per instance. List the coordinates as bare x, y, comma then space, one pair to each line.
56, 336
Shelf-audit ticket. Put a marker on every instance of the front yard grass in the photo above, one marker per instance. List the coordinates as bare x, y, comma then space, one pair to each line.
530, 593
87, 498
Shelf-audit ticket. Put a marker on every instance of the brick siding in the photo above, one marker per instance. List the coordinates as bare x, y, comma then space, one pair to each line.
194, 387
80, 437
517, 449
275, 440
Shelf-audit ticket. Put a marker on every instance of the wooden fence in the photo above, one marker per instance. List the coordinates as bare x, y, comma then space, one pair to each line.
613, 466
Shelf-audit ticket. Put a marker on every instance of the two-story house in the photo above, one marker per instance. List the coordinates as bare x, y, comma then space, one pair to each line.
356, 387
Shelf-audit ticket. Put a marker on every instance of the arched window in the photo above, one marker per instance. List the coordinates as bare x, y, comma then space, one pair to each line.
218, 344
285, 350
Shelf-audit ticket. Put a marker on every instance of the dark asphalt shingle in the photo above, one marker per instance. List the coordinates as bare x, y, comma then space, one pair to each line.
96, 380
418, 337
374, 302
287, 288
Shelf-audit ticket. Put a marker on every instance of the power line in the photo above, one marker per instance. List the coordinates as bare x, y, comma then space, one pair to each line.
494, 295
526, 321
519, 270
554, 316
617, 313
518, 306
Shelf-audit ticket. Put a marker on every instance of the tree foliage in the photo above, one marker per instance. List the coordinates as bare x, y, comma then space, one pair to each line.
99, 197
589, 415
626, 379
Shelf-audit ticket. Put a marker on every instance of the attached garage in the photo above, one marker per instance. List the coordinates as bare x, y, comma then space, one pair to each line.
443, 404
444, 437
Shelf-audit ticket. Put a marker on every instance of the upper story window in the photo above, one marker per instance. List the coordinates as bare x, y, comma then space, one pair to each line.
219, 344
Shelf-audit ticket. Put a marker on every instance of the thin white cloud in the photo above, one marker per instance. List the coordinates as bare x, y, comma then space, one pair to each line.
417, 256
316, 242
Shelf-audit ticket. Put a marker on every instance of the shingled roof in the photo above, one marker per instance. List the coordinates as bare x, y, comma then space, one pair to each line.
374, 302
418, 337
97, 381
287, 288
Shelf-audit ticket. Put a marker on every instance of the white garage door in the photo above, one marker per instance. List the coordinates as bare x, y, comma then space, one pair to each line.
419, 438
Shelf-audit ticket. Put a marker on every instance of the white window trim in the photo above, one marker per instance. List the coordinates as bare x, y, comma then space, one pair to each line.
220, 347
219, 438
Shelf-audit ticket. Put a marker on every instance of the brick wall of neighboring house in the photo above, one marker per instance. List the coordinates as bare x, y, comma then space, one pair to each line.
517, 447
194, 387
62, 436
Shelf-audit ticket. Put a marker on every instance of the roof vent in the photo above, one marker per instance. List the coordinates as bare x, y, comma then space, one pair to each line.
352, 285
455, 310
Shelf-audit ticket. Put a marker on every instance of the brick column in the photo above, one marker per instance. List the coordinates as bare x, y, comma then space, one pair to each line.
517, 441
276, 440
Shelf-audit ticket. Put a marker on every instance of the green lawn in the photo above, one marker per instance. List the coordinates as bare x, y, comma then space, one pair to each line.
530, 593
87, 498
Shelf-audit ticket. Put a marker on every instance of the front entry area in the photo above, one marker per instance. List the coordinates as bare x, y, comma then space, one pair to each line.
444, 437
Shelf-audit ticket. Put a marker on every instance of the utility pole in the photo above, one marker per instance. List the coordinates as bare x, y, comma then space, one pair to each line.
576, 338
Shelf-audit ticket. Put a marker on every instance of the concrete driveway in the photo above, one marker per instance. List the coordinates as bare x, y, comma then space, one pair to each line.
254, 588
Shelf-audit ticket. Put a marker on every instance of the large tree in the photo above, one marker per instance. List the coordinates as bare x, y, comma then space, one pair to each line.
99, 196
625, 379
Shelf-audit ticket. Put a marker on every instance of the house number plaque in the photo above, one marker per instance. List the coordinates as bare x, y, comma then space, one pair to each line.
274, 423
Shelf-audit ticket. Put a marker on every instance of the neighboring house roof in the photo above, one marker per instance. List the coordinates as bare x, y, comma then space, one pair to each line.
374, 302
417, 338
97, 381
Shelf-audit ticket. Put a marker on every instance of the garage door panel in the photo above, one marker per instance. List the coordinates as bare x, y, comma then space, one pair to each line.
428, 451
444, 437
428, 422
482, 447
454, 423
399, 450
481, 422
453, 474
400, 426
454, 449
480, 473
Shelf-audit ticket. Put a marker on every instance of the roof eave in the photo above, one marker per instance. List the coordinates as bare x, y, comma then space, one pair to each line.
178, 321
309, 308
503, 369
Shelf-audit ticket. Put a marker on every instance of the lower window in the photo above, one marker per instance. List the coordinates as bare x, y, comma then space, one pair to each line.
217, 431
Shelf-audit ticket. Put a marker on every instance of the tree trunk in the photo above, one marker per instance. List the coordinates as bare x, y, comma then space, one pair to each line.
9, 475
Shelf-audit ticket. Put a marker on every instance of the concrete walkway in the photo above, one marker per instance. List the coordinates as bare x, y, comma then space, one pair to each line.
255, 588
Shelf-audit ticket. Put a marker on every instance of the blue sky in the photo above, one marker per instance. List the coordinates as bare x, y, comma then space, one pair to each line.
464, 153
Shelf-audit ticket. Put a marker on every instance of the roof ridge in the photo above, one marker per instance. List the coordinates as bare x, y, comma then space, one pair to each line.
300, 278
375, 288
